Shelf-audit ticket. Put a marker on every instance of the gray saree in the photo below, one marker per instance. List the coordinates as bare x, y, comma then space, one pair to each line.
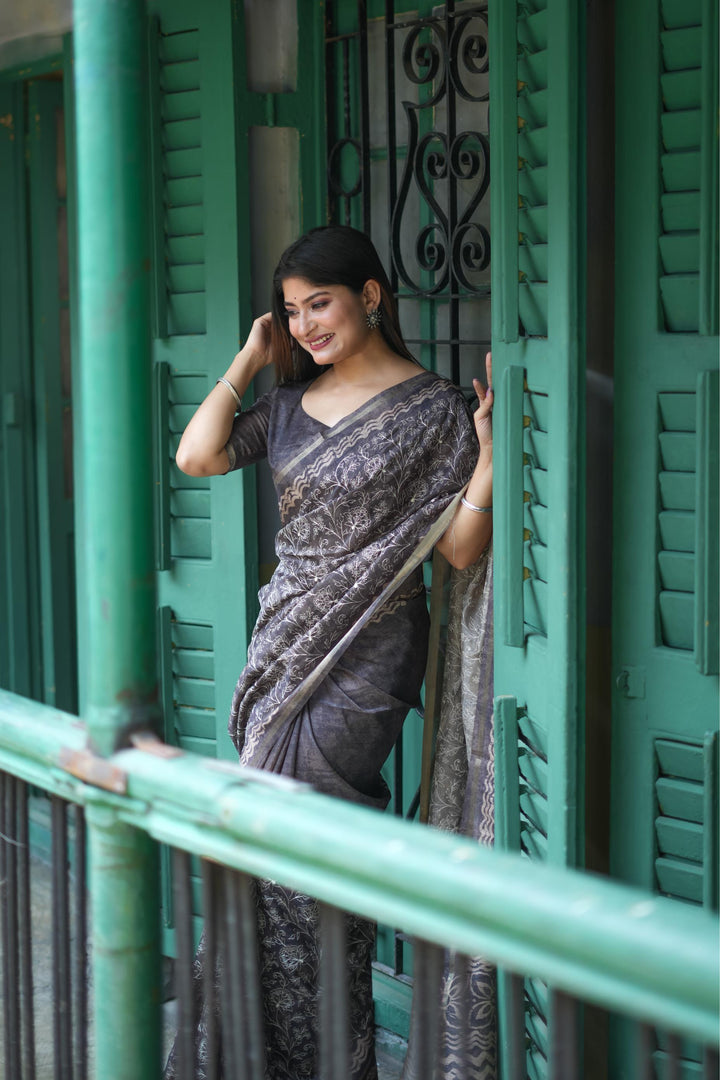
355, 499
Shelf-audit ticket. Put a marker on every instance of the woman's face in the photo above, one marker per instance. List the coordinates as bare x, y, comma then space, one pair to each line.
329, 321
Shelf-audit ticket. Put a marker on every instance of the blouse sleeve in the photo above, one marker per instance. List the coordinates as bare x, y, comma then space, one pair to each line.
248, 437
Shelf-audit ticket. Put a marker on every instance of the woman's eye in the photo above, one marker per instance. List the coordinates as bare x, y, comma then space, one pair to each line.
320, 305
291, 314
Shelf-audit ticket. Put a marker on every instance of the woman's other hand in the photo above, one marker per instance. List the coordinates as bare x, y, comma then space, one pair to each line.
471, 529
483, 413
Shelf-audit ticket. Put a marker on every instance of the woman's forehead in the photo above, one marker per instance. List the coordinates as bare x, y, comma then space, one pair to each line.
298, 290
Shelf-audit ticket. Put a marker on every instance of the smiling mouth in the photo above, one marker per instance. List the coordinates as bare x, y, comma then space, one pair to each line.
321, 342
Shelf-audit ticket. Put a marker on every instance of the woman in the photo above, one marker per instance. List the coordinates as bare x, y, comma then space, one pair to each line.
367, 450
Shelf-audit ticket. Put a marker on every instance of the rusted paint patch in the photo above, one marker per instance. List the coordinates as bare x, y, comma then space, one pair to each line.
150, 744
93, 770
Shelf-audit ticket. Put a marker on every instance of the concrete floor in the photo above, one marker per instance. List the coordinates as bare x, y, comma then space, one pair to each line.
390, 1049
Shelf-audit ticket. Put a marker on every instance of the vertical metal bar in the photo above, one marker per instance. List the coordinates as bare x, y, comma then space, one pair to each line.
330, 91
398, 952
391, 132
9, 885
512, 1026
27, 1019
645, 1044
503, 139
347, 125
673, 1058
564, 1057
711, 1065
185, 1052
79, 961
364, 116
333, 1011
4, 929
428, 973
62, 1012
118, 614
250, 977
233, 1015
453, 284
210, 913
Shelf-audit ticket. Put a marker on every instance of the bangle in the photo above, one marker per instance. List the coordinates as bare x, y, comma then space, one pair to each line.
231, 388
477, 509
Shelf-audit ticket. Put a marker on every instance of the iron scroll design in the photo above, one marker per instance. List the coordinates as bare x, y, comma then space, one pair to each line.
449, 170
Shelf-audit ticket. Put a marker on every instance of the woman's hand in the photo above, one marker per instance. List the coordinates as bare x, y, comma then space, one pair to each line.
483, 413
256, 350
202, 447
470, 531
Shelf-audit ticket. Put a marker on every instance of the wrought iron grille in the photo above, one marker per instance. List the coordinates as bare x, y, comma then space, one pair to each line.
409, 164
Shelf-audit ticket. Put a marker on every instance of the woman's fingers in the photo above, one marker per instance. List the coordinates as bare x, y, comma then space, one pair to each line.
485, 398
259, 336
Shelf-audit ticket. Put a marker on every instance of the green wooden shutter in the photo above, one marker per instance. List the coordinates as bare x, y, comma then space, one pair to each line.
665, 623
51, 399
20, 642
206, 558
536, 132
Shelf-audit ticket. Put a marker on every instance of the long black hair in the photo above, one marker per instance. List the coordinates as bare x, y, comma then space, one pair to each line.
328, 255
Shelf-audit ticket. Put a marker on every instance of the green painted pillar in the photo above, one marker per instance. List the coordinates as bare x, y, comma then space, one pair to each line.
116, 543
125, 948
115, 404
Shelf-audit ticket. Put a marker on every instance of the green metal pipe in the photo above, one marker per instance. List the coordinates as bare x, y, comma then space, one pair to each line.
115, 386
118, 619
125, 948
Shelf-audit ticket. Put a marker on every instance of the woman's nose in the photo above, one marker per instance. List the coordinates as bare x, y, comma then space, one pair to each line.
305, 321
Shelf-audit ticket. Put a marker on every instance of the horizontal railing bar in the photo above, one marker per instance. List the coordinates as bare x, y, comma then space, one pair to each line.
597, 939
589, 936
33, 738
50, 779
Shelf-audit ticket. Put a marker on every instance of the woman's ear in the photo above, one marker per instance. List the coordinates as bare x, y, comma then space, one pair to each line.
372, 294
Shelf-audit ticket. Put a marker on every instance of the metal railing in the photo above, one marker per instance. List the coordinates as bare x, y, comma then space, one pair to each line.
585, 938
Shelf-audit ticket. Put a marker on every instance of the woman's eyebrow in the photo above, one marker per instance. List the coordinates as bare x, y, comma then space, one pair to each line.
321, 292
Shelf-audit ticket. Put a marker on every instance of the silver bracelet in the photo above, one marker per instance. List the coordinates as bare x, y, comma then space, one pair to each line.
231, 388
477, 509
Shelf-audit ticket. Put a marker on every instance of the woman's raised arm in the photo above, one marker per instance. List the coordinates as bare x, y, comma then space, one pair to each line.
471, 528
202, 447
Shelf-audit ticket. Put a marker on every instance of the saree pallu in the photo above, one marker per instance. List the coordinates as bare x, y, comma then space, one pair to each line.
463, 801
355, 499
